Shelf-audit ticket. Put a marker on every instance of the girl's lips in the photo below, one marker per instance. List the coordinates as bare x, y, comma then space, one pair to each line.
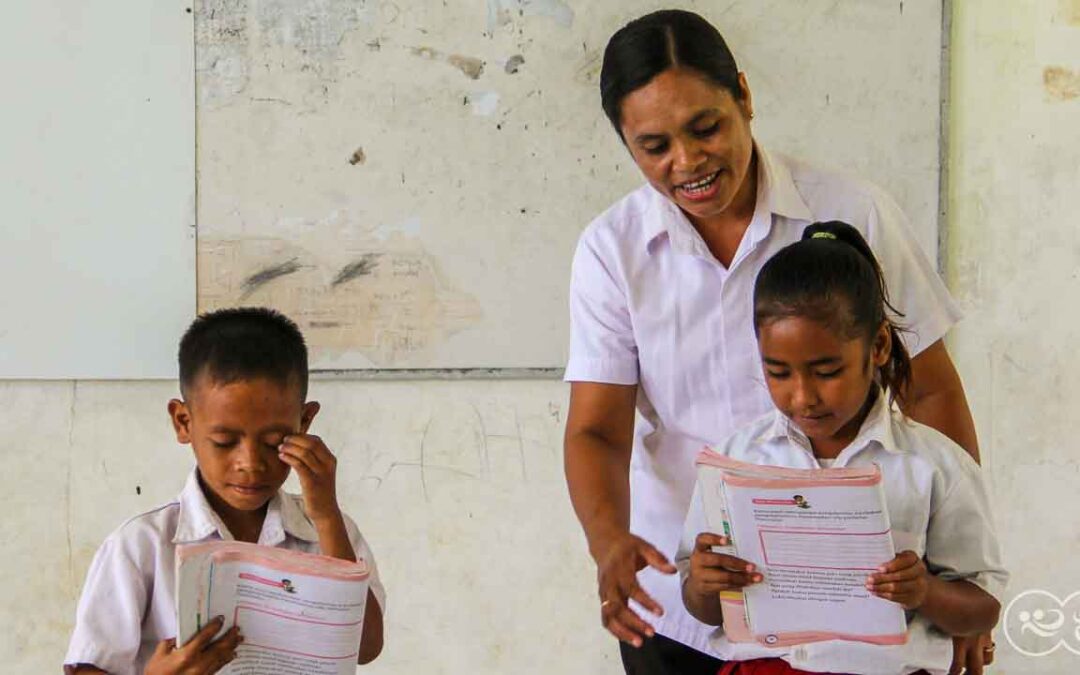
249, 489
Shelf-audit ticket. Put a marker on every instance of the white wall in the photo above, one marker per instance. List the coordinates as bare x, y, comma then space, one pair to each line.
1013, 256
488, 573
500, 594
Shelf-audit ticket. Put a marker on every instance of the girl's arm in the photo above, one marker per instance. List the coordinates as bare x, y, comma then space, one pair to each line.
957, 607
960, 607
936, 398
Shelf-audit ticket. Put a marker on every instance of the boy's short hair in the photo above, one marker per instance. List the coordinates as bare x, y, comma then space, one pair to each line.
242, 344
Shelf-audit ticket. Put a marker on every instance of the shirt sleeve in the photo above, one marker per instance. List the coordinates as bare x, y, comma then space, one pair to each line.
915, 289
602, 344
108, 621
363, 552
693, 526
961, 540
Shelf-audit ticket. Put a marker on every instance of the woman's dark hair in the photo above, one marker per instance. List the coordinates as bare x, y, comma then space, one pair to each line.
243, 344
649, 45
832, 276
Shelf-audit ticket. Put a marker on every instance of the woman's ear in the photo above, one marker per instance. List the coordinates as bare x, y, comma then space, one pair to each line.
881, 348
311, 409
180, 415
746, 103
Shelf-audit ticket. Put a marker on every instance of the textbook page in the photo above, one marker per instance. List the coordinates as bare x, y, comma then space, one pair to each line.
299, 614
814, 535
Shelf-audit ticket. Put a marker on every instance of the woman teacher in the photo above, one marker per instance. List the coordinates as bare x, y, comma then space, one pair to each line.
661, 318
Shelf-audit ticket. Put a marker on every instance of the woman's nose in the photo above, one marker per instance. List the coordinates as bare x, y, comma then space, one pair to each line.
688, 157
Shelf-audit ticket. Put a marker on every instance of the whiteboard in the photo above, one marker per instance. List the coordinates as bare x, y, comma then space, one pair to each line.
98, 237
408, 179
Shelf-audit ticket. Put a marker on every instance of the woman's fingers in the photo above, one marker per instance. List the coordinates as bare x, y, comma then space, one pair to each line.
654, 558
624, 623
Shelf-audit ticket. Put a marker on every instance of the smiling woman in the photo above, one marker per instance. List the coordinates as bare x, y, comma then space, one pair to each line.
662, 316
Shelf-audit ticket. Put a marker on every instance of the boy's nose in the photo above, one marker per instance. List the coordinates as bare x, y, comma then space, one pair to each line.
251, 456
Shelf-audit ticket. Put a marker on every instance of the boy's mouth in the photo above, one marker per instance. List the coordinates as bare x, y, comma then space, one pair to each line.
253, 489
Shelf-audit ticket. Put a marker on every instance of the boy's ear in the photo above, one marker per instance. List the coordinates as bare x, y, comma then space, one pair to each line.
311, 409
881, 349
181, 420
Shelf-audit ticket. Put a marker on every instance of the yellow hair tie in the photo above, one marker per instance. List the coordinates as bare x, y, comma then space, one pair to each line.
823, 235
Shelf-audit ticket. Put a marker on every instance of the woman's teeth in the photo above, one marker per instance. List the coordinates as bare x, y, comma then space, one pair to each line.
700, 185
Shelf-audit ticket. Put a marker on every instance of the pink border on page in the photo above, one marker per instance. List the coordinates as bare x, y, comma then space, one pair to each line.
298, 619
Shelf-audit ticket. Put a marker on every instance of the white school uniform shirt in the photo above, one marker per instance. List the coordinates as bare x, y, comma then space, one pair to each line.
938, 507
128, 603
651, 306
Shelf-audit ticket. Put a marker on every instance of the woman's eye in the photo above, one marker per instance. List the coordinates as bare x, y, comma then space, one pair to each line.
707, 131
656, 149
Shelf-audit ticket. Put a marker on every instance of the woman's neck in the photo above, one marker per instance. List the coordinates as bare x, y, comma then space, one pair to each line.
724, 231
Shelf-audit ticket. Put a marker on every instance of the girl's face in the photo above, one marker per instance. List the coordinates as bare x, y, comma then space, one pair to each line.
821, 380
691, 139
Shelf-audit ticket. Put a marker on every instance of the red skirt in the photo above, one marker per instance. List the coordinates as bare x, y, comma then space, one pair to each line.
766, 667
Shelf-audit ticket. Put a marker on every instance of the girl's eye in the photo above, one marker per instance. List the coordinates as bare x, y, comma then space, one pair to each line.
830, 373
778, 375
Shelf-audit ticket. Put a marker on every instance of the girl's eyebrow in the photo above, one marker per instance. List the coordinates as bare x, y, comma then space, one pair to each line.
823, 361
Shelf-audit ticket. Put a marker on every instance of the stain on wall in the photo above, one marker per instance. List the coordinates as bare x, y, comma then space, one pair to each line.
1060, 83
385, 298
1069, 12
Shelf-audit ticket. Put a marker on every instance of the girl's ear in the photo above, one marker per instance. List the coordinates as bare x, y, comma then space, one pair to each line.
881, 348
180, 415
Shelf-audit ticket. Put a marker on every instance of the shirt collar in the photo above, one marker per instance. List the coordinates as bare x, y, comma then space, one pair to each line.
198, 520
877, 427
777, 194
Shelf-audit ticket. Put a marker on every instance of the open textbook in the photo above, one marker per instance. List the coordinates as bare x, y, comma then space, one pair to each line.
298, 613
814, 535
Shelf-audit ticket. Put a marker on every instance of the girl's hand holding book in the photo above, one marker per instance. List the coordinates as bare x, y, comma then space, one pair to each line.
713, 573
903, 580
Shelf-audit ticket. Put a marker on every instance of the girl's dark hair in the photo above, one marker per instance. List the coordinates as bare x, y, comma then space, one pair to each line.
649, 45
832, 276
243, 343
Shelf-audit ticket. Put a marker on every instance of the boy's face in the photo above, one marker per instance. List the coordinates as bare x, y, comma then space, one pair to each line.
235, 430
818, 379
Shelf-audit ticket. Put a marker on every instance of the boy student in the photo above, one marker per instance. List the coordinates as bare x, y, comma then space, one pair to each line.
243, 378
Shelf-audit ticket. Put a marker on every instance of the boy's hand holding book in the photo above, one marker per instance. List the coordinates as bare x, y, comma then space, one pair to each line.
199, 656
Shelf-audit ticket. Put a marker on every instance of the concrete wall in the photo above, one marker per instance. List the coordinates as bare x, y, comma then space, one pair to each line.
1013, 254
81, 457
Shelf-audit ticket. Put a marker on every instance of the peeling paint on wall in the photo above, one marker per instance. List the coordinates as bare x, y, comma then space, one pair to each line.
221, 39
1061, 84
472, 67
502, 12
484, 103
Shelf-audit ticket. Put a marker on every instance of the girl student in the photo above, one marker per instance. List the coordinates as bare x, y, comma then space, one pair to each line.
834, 366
